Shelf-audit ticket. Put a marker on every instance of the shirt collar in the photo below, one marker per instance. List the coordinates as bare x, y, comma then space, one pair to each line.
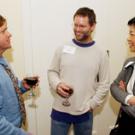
3, 61
130, 63
83, 44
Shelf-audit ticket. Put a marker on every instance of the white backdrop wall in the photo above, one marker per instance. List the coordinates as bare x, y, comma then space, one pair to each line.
39, 27
12, 11
49, 24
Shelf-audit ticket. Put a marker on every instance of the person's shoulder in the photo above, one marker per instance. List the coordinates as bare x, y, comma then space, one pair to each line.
101, 50
59, 48
129, 61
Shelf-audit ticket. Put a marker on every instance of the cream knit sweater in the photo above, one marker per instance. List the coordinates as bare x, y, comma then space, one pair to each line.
78, 67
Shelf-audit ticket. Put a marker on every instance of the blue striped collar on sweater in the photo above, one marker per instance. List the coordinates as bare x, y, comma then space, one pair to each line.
83, 44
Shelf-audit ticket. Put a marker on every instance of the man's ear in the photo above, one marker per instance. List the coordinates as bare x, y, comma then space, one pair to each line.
93, 27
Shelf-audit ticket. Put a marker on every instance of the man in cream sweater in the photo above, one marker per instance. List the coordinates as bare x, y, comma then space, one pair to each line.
82, 66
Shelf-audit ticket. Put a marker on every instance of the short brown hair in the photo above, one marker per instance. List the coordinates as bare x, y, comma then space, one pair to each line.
2, 20
85, 11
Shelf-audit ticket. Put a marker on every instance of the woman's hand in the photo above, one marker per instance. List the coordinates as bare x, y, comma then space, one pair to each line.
131, 101
122, 85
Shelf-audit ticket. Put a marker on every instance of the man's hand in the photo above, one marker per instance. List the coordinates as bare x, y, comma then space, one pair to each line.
62, 89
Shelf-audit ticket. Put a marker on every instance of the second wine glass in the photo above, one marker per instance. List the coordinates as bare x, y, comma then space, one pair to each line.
32, 81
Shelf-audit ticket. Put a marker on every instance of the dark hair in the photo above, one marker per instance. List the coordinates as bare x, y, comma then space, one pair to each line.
85, 11
2, 20
131, 22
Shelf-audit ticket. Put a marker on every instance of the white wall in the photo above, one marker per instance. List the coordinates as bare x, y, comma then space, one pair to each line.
51, 24
14, 19
46, 24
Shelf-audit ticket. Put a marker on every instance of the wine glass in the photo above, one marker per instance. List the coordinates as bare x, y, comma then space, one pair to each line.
66, 101
32, 81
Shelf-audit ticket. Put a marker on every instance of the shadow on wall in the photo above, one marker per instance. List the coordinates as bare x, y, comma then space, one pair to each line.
114, 105
99, 109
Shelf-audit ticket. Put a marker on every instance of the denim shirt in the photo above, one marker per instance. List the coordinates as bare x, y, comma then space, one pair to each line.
10, 116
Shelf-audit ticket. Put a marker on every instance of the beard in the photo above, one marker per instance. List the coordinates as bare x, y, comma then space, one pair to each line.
82, 36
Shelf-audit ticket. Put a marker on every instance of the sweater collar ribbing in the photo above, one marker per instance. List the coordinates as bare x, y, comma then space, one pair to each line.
83, 44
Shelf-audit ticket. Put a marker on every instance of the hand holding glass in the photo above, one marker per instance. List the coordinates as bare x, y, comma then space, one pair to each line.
32, 82
66, 101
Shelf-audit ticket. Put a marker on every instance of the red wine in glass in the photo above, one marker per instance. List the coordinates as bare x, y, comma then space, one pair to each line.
70, 91
66, 102
31, 81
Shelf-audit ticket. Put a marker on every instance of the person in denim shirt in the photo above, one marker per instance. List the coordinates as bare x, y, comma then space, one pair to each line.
10, 114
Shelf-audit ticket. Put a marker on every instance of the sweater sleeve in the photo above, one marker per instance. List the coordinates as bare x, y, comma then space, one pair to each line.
54, 70
7, 128
103, 82
116, 91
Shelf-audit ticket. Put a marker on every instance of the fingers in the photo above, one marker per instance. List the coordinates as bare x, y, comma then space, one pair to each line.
122, 85
62, 89
131, 101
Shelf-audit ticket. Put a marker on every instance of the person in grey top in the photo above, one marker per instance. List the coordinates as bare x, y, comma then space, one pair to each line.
123, 88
